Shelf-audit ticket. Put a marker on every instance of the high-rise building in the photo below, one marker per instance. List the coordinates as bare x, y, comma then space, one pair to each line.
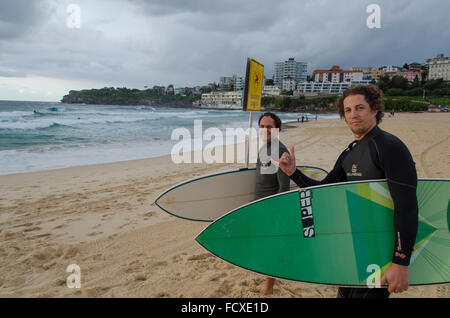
290, 68
238, 83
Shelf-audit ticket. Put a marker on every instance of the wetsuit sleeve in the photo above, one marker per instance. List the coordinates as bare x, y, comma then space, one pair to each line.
335, 175
401, 175
284, 182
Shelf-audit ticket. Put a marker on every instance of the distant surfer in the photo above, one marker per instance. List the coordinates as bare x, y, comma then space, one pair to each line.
273, 181
374, 154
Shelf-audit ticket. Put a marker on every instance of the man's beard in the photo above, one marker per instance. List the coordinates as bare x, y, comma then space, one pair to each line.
359, 130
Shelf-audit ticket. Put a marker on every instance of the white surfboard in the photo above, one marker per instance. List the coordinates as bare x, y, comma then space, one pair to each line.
210, 197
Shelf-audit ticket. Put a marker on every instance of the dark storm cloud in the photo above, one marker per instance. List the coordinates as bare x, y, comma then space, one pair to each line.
210, 7
136, 42
19, 16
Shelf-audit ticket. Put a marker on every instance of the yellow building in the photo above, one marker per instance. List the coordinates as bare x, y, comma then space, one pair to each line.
370, 73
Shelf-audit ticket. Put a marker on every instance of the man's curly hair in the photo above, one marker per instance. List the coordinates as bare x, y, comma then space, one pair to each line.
373, 95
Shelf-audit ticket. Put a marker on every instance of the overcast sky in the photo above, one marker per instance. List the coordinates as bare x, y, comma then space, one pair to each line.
137, 43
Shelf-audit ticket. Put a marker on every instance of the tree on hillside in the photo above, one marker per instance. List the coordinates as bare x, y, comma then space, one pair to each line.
384, 83
416, 83
434, 84
399, 82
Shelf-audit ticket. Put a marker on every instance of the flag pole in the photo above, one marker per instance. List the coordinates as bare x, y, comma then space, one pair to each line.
247, 150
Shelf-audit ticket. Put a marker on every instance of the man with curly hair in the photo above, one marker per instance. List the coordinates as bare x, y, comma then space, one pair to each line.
374, 154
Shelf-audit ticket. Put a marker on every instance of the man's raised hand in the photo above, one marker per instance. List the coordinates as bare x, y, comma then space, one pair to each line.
287, 162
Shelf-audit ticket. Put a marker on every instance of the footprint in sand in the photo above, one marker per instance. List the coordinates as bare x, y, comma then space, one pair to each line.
223, 290
70, 252
161, 295
36, 228
24, 224
200, 257
139, 277
217, 276
95, 233
159, 264
148, 215
442, 291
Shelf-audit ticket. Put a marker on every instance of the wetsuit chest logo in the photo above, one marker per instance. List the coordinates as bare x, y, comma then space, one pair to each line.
355, 172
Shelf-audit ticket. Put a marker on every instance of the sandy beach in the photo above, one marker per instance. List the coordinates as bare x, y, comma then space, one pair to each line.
102, 218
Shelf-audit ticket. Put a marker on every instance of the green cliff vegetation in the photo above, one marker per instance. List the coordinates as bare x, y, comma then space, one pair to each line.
400, 95
126, 96
288, 103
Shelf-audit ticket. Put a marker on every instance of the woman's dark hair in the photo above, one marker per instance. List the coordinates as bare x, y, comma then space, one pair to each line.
372, 94
275, 118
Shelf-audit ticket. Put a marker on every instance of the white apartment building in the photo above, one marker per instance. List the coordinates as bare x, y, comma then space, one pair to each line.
289, 84
327, 87
353, 77
337, 75
222, 99
271, 90
290, 68
391, 69
439, 67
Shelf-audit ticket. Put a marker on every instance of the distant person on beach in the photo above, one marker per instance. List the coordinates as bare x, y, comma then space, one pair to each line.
374, 154
269, 179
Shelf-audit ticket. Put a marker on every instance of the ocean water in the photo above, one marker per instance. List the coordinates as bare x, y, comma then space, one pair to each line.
37, 136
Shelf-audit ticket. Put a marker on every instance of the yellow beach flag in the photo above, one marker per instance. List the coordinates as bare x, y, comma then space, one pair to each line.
253, 86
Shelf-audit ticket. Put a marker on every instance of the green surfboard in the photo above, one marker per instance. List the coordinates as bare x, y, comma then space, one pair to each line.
337, 234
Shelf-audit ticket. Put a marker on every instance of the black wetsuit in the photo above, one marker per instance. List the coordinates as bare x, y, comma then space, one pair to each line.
274, 182
379, 155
